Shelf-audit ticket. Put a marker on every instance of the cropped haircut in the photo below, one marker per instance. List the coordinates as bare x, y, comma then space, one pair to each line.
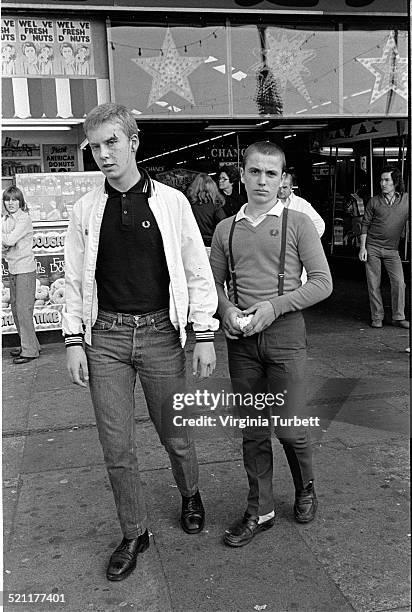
203, 190
396, 178
111, 112
14, 193
264, 147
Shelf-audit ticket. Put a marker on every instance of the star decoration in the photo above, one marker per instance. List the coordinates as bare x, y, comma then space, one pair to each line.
285, 58
170, 71
390, 71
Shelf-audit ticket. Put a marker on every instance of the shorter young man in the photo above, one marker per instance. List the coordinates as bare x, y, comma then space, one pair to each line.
269, 353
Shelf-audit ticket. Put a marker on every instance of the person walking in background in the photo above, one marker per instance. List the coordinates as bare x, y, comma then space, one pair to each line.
228, 182
262, 249
207, 206
293, 202
382, 225
136, 273
17, 241
290, 200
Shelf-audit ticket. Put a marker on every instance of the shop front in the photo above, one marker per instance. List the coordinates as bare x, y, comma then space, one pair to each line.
327, 81
54, 71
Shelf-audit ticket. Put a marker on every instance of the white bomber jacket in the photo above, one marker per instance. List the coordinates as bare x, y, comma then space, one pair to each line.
193, 296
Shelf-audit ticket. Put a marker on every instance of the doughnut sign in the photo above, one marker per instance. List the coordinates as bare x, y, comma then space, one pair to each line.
44, 318
60, 158
48, 241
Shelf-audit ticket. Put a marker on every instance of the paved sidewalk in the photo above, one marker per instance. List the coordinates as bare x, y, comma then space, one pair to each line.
60, 524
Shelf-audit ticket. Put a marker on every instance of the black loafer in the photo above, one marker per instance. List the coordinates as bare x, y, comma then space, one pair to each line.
15, 352
242, 532
306, 504
192, 518
123, 560
23, 359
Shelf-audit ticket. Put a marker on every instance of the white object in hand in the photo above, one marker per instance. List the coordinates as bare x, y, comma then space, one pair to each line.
243, 321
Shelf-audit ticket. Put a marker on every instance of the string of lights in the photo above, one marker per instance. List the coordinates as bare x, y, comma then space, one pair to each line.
184, 46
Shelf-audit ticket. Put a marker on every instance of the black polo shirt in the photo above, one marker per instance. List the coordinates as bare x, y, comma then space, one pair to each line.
131, 269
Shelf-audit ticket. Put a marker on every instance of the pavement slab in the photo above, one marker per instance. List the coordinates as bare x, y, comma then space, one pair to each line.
48, 408
277, 570
79, 567
54, 450
365, 548
63, 505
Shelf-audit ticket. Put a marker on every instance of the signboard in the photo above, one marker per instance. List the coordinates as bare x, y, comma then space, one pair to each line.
46, 47
178, 178
60, 158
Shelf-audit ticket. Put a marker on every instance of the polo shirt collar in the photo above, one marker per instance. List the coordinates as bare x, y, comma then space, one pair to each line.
143, 185
275, 211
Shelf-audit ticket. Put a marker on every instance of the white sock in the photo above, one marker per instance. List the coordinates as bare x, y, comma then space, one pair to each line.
266, 517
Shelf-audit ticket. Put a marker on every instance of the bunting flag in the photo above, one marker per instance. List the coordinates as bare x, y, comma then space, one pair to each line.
54, 98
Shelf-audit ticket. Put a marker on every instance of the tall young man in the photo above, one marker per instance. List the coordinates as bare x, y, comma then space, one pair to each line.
382, 225
270, 351
136, 272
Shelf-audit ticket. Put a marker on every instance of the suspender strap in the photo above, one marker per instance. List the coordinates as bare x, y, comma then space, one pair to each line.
281, 274
232, 263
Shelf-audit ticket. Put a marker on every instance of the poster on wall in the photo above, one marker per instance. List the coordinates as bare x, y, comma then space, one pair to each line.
60, 158
46, 47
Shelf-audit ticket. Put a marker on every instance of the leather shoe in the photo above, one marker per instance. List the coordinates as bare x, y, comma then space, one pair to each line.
22, 359
402, 323
306, 504
243, 531
15, 352
376, 324
192, 518
123, 560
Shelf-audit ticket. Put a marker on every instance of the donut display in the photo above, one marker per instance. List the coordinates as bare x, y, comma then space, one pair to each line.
58, 296
57, 291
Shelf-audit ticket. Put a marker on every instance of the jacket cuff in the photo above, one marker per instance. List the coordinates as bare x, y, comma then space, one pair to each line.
205, 336
73, 340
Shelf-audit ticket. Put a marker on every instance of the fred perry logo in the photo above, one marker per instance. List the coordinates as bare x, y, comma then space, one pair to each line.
146, 224
274, 232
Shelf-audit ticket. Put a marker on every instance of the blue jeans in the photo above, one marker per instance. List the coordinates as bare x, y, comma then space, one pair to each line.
124, 346
263, 363
22, 290
373, 268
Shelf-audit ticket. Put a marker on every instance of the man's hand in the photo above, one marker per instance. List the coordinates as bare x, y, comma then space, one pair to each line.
77, 365
229, 323
363, 254
263, 316
204, 359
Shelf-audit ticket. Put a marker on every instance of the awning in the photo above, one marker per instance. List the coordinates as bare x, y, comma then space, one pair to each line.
52, 98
